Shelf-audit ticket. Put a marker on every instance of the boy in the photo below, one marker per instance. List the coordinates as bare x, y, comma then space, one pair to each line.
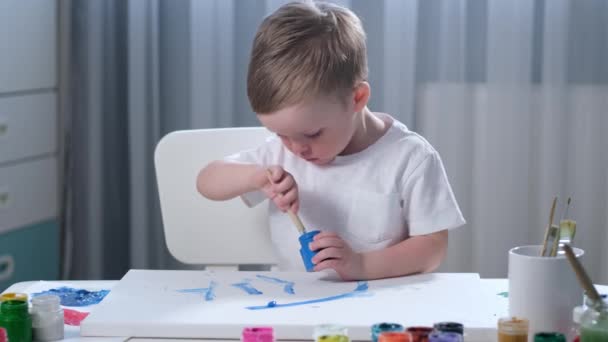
377, 191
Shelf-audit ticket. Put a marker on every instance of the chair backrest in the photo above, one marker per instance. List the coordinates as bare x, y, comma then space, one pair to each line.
200, 231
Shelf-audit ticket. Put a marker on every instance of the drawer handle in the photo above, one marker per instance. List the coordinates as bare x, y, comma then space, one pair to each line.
4, 198
3, 128
7, 267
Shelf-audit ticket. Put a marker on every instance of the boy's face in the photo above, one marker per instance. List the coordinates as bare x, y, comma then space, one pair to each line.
317, 130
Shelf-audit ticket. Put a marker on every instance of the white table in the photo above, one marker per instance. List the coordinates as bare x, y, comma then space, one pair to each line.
497, 288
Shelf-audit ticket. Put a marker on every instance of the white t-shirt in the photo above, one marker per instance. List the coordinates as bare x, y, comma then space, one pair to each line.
394, 189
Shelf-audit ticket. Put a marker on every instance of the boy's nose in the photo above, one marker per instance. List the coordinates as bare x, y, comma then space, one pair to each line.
301, 149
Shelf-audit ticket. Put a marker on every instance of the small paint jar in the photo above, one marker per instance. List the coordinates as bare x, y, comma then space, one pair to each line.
449, 327
3, 336
549, 337
330, 333
305, 251
47, 318
419, 334
395, 336
15, 318
513, 329
594, 324
380, 328
257, 334
13, 296
445, 336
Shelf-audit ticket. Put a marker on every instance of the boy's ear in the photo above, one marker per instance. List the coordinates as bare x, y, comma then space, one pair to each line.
361, 96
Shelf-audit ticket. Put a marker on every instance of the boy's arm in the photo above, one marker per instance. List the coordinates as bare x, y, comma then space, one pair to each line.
418, 254
223, 180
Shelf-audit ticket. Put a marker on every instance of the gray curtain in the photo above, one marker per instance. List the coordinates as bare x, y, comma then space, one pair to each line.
512, 93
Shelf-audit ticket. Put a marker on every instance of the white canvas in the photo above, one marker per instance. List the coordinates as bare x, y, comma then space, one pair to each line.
175, 304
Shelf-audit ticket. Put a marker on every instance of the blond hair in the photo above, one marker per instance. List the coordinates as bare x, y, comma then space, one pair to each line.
303, 50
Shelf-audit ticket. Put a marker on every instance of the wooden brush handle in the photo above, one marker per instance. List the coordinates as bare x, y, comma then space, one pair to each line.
296, 221
582, 276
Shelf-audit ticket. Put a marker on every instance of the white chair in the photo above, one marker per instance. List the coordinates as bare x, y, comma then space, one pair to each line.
197, 230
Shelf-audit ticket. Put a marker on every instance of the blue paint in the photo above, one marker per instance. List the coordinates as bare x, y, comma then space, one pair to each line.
305, 252
207, 292
247, 287
75, 297
360, 290
288, 288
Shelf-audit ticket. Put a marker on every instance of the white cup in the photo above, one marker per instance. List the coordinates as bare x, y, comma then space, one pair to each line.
543, 289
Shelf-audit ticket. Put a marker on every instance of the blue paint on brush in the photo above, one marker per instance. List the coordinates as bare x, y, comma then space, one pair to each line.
207, 292
75, 297
247, 287
360, 290
288, 285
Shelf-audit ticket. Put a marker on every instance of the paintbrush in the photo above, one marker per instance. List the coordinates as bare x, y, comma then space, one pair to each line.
293, 216
583, 277
547, 232
567, 227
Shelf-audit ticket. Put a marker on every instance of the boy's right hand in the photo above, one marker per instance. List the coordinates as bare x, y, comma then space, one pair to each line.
280, 186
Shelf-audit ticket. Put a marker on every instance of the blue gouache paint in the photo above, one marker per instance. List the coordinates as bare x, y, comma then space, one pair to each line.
360, 290
75, 297
288, 288
247, 287
207, 292
305, 252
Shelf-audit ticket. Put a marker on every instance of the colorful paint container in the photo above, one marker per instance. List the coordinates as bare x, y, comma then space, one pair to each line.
419, 334
549, 337
47, 318
305, 252
257, 334
330, 333
15, 318
449, 327
380, 328
513, 329
445, 336
13, 296
395, 336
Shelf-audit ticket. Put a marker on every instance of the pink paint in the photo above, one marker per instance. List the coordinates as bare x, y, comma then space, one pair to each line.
258, 334
3, 335
73, 317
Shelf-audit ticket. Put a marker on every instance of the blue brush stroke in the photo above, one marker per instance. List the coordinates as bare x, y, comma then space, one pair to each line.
360, 290
75, 297
247, 287
288, 288
208, 292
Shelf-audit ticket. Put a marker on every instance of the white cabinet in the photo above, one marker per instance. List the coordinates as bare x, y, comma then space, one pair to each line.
29, 230
28, 45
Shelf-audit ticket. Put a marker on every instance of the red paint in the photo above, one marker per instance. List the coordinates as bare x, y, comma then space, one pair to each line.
73, 317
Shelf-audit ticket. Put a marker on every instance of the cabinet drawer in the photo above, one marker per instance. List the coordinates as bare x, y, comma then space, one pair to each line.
28, 126
28, 40
28, 193
29, 253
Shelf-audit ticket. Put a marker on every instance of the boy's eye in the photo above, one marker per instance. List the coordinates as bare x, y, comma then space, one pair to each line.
314, 135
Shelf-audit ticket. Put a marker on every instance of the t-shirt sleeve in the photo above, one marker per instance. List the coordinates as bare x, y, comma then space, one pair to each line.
429, 204
260, 156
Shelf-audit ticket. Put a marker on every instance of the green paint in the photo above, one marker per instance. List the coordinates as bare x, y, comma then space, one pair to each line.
504, 294
14, 317
597, 331
332, 338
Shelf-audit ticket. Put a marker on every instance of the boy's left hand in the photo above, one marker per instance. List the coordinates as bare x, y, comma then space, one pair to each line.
336, 254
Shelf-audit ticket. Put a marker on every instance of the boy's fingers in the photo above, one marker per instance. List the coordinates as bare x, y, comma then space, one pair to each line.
327, 253
328, 242
325, 234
